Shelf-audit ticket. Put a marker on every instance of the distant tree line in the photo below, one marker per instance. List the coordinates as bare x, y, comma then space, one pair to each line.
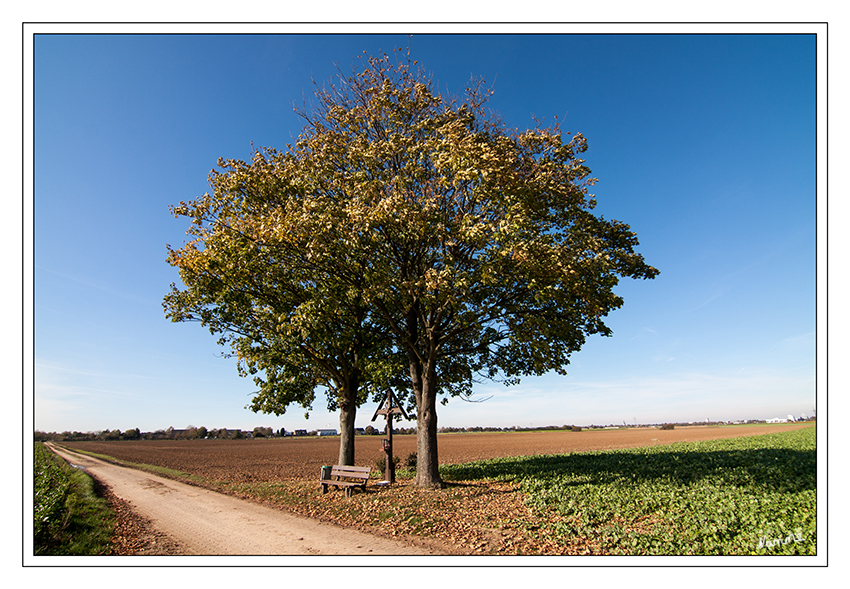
194, 433
377, 431
190, 433
513, 428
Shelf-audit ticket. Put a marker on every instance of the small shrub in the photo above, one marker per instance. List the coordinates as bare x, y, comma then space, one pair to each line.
575, 428
411, 460
381, 462
667, 426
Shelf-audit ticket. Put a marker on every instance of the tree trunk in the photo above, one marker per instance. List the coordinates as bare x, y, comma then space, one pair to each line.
347, 413
423, 377
427, 462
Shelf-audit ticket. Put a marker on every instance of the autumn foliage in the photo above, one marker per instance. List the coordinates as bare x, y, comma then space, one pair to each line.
406, 240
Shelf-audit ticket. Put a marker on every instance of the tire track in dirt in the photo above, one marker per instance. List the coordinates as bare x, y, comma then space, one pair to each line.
203, 522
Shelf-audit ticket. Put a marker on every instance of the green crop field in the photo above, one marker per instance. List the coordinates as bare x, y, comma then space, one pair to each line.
751, 495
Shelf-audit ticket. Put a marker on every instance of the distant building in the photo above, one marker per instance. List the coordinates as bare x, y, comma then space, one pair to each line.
326, 432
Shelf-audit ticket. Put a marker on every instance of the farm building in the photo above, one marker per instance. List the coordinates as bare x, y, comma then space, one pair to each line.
326, 432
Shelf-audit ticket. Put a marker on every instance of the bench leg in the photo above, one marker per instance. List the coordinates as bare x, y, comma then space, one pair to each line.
349, 491
324, 488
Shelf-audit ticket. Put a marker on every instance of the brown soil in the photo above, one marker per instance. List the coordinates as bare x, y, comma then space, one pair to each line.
288, 459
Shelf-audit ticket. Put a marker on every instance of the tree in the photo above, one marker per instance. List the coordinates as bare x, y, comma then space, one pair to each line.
484, 256
403, 231
253, 277
109, 435
190, 433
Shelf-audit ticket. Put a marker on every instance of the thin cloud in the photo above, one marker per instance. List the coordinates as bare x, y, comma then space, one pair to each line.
96, 286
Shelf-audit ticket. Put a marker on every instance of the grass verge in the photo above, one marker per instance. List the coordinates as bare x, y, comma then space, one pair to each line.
69, 518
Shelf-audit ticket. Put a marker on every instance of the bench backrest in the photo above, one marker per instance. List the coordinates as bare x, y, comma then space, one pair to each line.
351, 472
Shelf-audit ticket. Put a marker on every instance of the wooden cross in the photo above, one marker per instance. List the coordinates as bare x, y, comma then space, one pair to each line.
389, 408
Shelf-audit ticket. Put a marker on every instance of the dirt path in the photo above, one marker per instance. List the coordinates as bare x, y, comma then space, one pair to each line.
203, 522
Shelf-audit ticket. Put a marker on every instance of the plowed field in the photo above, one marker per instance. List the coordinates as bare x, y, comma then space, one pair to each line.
279, 459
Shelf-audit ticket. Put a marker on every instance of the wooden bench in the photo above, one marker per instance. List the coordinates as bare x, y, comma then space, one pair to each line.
348, 477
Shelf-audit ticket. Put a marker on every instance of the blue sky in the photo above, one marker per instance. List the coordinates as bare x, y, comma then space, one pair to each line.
704, 144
